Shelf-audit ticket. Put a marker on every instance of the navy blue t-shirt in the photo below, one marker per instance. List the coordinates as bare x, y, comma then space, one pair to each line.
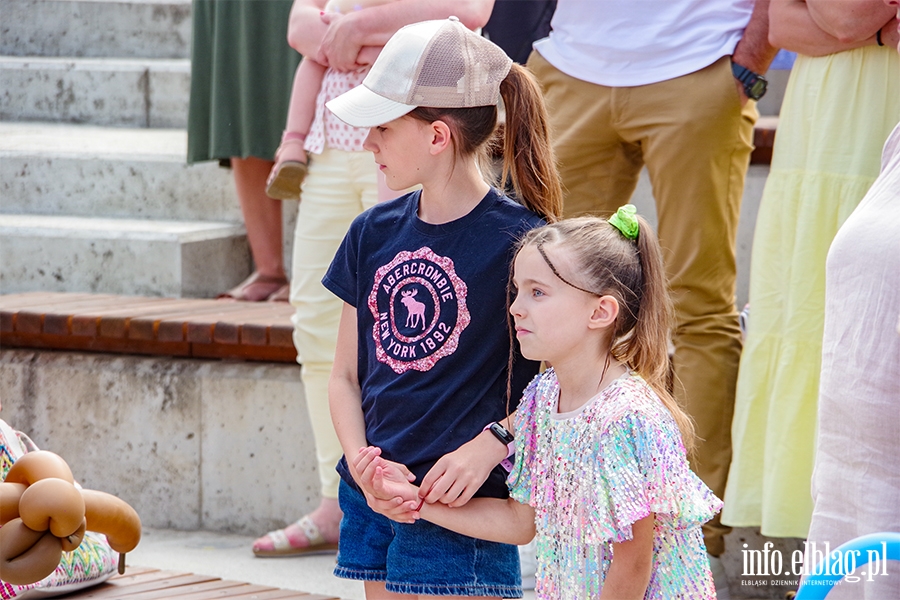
433, 332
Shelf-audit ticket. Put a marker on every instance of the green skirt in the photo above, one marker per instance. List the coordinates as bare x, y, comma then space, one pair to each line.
242, 71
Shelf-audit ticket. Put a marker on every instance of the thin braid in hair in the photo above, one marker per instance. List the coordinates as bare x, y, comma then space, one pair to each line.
540, 248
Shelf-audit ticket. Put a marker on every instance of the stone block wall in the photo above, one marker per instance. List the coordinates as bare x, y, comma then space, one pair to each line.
190, 444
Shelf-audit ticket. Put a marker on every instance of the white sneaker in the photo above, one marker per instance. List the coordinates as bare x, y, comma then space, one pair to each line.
720, 579
528, 562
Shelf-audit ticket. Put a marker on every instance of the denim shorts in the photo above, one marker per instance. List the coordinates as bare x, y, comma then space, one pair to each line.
421, 558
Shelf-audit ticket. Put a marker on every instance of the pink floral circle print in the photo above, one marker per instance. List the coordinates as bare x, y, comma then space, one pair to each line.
419, 305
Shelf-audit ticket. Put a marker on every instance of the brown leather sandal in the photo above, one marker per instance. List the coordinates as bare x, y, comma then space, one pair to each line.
290, 168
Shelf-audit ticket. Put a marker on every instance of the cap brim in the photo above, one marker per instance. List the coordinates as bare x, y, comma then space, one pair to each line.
361, 107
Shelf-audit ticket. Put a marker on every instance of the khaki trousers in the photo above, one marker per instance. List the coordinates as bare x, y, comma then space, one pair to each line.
338, 187
695, 139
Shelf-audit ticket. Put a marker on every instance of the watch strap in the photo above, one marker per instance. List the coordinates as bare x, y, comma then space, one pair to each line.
740, 72
748, 79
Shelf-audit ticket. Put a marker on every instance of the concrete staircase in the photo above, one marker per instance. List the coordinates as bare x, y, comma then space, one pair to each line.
95, 195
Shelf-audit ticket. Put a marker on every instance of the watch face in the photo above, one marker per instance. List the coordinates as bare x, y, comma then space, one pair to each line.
502, 434
757, 89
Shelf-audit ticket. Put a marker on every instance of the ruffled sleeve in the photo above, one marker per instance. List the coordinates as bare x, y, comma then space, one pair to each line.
645, 470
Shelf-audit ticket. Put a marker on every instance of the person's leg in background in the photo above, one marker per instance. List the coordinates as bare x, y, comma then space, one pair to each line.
599, 170
696, 141
240, 63
262, 218
338, 187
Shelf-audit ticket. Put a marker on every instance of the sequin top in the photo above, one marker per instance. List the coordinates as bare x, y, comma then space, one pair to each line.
591, 474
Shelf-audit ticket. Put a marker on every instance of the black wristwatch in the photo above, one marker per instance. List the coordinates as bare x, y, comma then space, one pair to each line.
754, 83
501, 433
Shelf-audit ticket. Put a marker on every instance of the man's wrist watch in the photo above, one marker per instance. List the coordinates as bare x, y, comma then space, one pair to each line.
754, 83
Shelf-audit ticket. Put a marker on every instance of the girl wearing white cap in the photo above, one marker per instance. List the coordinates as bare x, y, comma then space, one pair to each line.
421, 364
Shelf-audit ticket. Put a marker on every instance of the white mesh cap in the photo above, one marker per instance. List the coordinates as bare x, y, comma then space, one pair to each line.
439, 64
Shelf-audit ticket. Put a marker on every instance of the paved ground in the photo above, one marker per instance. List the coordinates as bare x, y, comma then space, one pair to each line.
229, 557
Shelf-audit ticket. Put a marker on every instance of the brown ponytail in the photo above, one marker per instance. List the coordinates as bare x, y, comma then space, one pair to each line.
647, 349
528, 160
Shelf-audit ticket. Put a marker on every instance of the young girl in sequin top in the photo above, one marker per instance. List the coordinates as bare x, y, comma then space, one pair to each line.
601, 472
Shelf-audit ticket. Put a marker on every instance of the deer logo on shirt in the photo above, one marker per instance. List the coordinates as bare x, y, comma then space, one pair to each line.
415, 309
419, 305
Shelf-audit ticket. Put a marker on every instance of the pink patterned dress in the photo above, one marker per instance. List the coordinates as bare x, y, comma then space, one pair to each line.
327, 131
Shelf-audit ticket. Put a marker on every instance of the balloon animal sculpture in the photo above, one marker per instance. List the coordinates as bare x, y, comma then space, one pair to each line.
43, 514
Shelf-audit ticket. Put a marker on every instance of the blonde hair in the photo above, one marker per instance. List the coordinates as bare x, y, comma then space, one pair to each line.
631, 271
528, 159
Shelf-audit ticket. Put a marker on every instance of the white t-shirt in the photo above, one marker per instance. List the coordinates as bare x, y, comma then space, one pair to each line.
635, 42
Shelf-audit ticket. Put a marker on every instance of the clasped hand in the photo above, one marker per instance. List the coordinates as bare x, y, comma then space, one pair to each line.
387, 485
453, 480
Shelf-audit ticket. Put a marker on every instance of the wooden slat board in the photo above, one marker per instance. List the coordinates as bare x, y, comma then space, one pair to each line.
138, 325
763, 140
151, 584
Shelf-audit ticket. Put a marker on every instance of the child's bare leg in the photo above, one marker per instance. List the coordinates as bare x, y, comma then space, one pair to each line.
456, 597
375, 591
302, 109
262, 217
290, 159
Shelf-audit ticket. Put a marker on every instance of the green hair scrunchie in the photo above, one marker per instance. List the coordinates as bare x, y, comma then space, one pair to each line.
625, 220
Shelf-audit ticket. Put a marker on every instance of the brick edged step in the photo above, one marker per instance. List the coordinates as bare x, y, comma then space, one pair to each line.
111, 323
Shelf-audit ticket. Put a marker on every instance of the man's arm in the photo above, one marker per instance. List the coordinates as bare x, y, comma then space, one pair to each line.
754, 50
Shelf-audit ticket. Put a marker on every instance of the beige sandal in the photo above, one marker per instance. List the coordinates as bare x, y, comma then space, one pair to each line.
255, 288
281, 545
282, 294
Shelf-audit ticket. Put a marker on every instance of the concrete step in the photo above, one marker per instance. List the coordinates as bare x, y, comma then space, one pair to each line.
136, 92
121, 256
123, 28
84, 170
